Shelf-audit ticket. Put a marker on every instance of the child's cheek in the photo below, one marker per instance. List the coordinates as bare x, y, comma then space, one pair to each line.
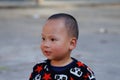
42, 46
58, 48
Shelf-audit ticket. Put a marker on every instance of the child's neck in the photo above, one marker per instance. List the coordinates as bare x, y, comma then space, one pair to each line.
62, 62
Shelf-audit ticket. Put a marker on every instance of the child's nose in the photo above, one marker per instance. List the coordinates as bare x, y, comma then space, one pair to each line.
46, 44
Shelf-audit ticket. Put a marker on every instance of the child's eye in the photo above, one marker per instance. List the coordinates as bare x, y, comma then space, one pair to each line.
53, 39
43, 38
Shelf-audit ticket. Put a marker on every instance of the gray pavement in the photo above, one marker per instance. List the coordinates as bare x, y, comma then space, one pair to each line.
98, 44
54, 3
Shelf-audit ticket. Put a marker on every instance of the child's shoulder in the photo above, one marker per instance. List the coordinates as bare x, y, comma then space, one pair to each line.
40, 64
82, 65
79, 63
84, 69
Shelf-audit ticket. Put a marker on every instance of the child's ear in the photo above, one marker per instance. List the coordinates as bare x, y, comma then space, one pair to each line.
73, 43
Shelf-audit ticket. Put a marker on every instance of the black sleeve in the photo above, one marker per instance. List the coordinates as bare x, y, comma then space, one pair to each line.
32, 75
88, 74
36, 72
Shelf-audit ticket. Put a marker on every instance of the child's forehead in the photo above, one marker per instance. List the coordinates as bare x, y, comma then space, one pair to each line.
56, 24
54, 34
56, 21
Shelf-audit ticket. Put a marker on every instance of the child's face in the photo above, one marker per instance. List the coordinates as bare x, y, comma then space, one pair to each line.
55, 43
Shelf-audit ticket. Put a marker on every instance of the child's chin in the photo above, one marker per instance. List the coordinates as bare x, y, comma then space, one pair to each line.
48, 57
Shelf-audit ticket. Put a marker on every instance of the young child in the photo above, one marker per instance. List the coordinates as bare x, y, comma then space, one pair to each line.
59, 38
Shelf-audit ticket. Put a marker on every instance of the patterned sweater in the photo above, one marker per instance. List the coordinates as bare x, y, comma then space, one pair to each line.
76, 70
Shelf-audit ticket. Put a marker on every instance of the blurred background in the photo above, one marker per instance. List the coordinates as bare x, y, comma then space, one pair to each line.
98, 46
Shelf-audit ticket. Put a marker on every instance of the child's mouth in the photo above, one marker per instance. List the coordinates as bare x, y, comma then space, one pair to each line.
47, 53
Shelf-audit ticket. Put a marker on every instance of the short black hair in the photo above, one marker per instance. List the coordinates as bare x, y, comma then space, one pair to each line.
70, 23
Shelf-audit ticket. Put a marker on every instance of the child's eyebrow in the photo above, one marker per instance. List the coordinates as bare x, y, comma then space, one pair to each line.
42, 34
49, 35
